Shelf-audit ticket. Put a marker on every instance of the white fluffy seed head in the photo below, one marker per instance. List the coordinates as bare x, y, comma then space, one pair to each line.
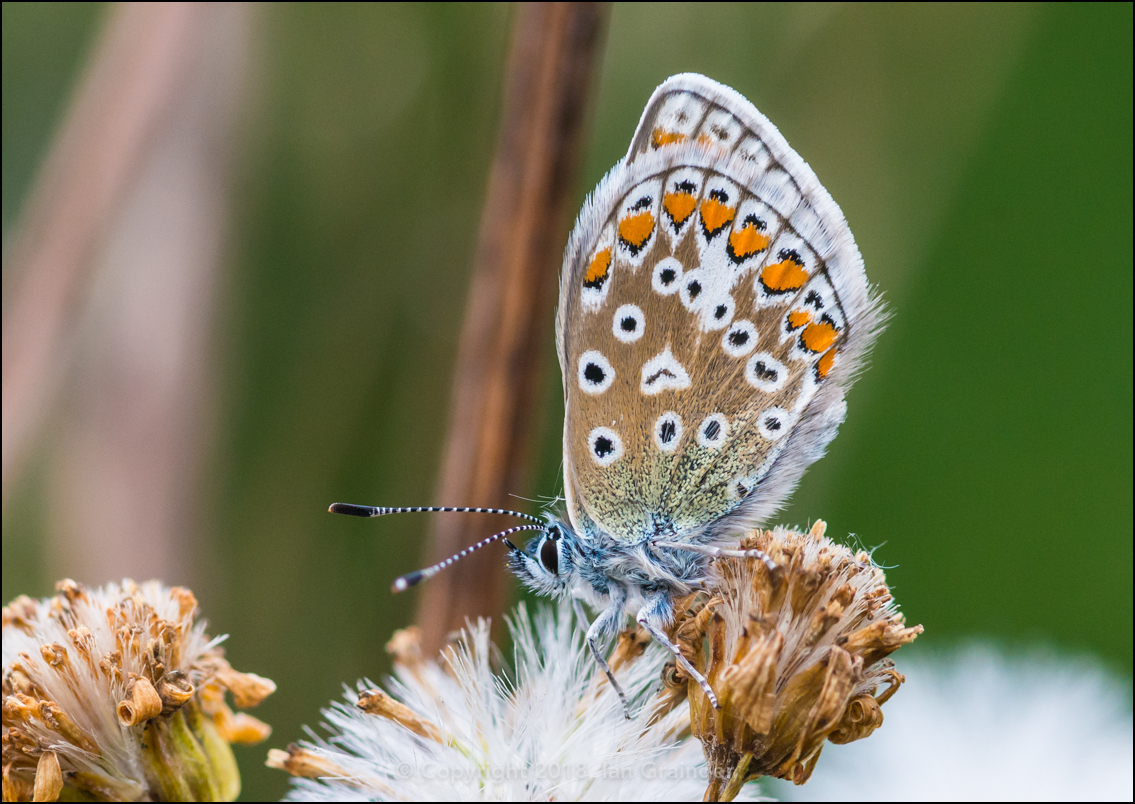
550, 729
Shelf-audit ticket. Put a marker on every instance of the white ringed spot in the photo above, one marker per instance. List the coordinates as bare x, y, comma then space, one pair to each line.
713, 430
719, 313
774, 423
663, 372
604, 445
740, 339
595, 372
629, 323
668, 431
692, 289
765, 373
667, 276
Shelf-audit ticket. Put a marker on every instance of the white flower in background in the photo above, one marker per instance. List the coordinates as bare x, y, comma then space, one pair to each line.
552, 731
981, 725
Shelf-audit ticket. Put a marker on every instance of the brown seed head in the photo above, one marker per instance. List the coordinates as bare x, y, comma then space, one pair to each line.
126, 689
796, 655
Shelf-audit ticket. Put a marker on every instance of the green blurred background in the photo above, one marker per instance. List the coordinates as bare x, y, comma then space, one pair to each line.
982, 154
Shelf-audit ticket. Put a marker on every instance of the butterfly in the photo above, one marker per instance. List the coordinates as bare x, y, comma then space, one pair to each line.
713, 312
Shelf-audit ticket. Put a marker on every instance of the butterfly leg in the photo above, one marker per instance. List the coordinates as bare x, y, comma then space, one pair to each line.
653, 617
609, 618
721, 552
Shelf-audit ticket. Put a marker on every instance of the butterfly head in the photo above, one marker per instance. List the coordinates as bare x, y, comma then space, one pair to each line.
548, 565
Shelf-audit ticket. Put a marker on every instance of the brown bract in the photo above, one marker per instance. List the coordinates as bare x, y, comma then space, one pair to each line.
117, 693
796, 656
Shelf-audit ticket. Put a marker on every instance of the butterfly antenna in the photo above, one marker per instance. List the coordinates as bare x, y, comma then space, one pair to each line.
415, 578
372, 510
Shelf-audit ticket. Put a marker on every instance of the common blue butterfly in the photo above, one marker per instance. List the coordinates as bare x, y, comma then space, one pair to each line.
713, 313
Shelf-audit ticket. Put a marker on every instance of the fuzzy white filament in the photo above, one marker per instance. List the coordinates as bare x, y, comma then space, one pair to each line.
548, 731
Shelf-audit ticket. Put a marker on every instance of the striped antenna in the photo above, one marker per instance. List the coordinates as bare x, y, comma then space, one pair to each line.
371, 510
414, 578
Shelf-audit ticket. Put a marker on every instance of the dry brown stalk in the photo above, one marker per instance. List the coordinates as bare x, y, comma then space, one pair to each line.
511, 297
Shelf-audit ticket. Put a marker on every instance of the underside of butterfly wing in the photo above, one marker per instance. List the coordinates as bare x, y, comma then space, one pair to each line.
713, 312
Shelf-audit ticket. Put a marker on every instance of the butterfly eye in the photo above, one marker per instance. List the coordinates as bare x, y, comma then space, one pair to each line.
550, 556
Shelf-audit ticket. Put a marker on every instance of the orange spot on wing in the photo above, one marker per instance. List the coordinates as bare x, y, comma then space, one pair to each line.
715, 215
782, 276
597, 271
824, 364
818, 337
798, 318
635, 229
747, 241
661, 136
705, 139
679, 206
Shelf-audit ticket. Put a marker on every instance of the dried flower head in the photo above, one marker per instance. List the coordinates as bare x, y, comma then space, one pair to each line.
117, 694
453, 729
796, 655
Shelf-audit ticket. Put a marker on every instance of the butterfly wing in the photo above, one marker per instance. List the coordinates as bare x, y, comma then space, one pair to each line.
713, 311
